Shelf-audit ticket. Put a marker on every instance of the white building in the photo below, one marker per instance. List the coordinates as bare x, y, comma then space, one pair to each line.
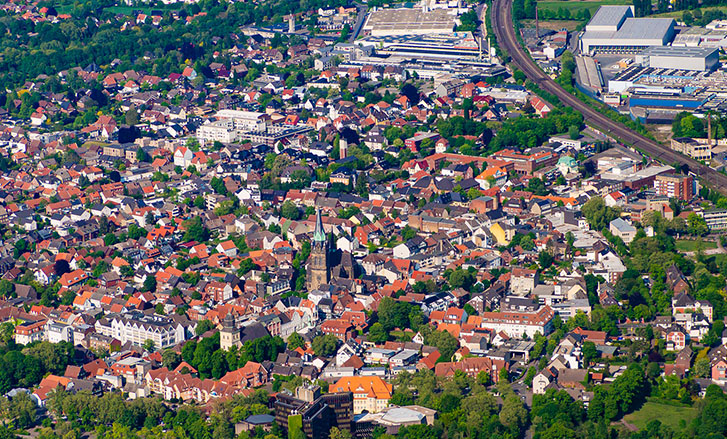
58, 332
613, 29
28, 332
137, 328
183, 157
220, 131
243, 120
624, 230
515, 324
700, 59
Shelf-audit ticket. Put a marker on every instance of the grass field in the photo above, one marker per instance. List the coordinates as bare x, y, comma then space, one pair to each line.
686, 245
679, 14
667, 414
95, 143
556, 25
577, 6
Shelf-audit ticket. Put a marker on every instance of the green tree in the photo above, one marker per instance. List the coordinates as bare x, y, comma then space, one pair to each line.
170, 359
22, 410
527, 243
530, 375
395, 314
377, 334
7, 332
545, 259
590, 353
199, 202
20, 247
218, 185
148, 345
127, 271
696, 225
131, 117
461, 279
324, 345
203, 326
598, 215
67, 297
335, 433
7, 289
407, 233
295, 341
574, 132
537, 187
445, 343
701, 367
150, 283
513, 414
142, 155
195, 230
289, 210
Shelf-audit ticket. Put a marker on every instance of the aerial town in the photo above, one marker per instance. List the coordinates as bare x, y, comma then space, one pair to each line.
363, 220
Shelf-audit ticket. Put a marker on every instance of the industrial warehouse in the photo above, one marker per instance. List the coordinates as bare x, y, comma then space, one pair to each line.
614, 30
701, 59
649, 68
410, 21
451, 45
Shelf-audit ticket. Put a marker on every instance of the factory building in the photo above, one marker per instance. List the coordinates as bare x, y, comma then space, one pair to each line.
650, 98
451, 45
692, 148
615, 30
702, 59
410, 21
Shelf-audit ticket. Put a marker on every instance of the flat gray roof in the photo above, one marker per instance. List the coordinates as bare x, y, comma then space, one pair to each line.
410, 17
622, 225
635, 28
609, 15
678, 51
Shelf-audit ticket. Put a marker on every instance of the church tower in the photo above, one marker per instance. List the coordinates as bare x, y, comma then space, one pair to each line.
229, 335
318, 272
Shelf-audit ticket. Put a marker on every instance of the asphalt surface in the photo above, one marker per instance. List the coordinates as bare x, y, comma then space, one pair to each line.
360, 19
504, 30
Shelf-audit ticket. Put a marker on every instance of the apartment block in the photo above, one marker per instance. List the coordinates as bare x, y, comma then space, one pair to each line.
674, 186
515, 324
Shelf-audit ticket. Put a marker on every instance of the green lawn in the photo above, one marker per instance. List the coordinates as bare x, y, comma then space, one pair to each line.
686, 245
679, 14
577, 6
556, 25
95, 143
668, 415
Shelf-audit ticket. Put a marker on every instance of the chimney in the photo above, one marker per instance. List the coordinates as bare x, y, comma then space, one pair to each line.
537, 33
709, 129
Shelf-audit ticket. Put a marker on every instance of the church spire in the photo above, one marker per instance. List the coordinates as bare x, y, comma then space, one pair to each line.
319, 235
318, 271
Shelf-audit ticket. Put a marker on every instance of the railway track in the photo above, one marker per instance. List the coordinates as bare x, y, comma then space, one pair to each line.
504, 30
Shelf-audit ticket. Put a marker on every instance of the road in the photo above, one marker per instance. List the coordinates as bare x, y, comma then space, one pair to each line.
481, 10
360, 19
504, 30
